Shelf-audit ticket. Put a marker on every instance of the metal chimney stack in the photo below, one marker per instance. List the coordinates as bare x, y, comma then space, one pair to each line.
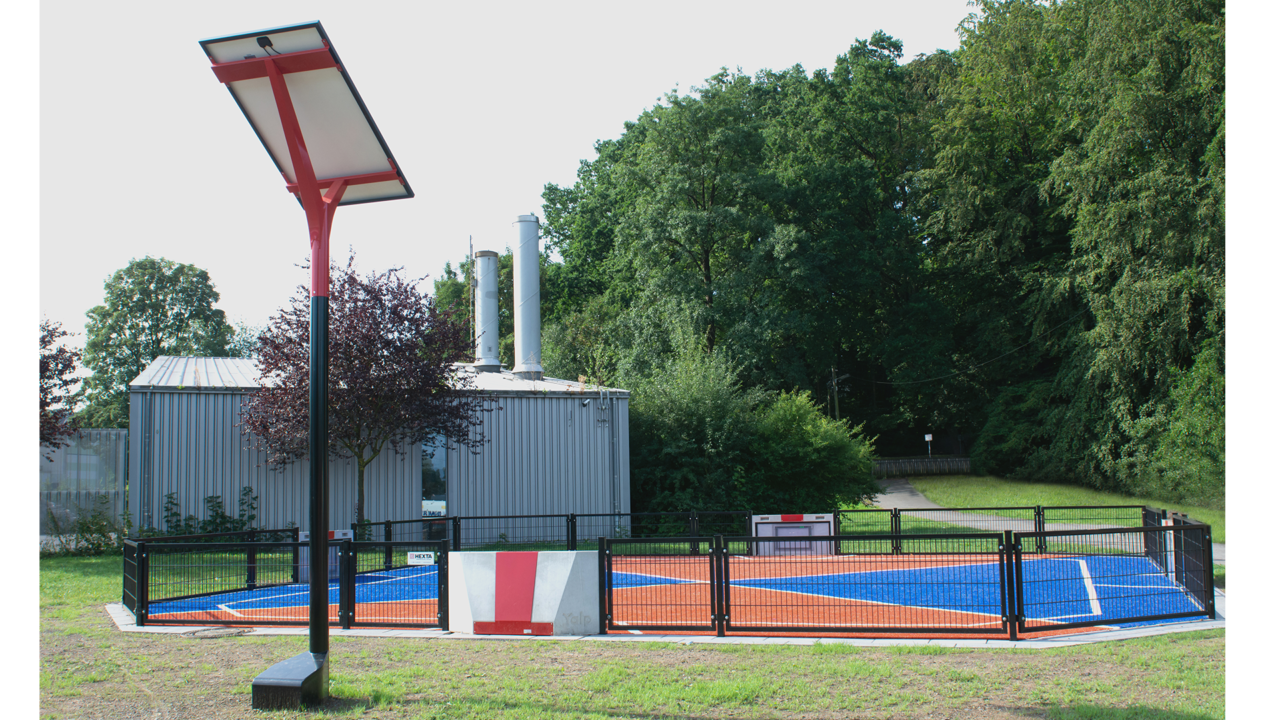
528, 316
487, 332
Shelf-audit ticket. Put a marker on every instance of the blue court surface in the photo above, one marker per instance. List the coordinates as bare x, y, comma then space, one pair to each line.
1098, 589
411, 584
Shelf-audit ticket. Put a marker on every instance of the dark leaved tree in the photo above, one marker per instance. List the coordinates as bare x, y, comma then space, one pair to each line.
392, 382
57, 378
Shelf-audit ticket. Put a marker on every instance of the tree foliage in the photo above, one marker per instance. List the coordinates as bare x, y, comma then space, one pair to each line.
392, 380
1018, 247
152, 307
57, 382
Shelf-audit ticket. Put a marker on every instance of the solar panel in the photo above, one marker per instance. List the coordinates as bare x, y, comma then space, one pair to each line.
341, 138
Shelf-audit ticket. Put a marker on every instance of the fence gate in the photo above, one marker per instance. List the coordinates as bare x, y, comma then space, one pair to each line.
393, 584
669, 584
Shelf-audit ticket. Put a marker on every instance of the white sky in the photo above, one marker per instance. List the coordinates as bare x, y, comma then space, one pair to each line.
143, 152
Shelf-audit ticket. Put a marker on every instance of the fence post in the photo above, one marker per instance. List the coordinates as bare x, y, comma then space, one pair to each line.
1041, 542
1209, 606
386, 555
571, 533
693, 531
442, 584
602, 554
1013, 575
346, 585
295, 554
144, 579
895, 529
130, 558
719, 614
251, 569
457, 533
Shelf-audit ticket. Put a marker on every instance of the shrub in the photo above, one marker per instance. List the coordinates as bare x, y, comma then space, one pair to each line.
91, 531
216, 519
800, 460
700, 441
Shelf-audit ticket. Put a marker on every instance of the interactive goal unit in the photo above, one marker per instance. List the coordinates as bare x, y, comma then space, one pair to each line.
798, 529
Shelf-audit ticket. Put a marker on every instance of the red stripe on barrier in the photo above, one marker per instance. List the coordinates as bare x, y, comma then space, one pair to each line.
793, 518
514, 577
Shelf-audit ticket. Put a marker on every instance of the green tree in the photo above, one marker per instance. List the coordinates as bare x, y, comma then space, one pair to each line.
772, 210
244, 340
1021, 241
1145, 189
152, 307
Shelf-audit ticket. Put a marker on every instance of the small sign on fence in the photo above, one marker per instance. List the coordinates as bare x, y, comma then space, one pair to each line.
422, 558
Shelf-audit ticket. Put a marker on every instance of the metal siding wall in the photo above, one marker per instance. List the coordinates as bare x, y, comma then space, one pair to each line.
68, 487
197, 451
541, 455
624, 453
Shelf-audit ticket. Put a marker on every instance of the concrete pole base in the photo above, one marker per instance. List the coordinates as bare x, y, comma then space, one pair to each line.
300, 681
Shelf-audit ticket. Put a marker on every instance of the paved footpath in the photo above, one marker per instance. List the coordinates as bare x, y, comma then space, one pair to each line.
899, 493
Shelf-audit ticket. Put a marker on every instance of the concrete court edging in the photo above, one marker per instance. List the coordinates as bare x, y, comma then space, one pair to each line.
124, 622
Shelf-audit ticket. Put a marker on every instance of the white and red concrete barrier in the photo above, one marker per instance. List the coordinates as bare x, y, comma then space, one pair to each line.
524, 593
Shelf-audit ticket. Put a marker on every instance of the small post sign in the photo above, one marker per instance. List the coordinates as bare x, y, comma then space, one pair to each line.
928, 437
422, 558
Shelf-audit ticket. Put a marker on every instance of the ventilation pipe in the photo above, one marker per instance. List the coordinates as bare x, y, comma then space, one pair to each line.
487, 312
527, 300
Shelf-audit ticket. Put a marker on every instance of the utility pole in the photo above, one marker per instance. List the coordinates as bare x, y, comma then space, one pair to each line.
835, 388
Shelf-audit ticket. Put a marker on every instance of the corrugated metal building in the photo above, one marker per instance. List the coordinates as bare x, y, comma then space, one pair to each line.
550, 446
91, 469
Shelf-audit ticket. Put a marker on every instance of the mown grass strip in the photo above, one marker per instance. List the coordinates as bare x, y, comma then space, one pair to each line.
959, 491
88, 668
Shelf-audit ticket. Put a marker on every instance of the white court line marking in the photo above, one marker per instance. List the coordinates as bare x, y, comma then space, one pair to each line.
1140, 587
227, 609
1094, 605
633, 632
661, 577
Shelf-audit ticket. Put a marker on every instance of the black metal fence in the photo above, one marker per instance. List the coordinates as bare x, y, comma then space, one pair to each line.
266, 583
1038, 518
579, 531
1086, 578
955, 571
937, 465
555, 532
944, 583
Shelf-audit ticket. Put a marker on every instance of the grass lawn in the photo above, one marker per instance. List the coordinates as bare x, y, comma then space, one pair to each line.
958, 491
90, 669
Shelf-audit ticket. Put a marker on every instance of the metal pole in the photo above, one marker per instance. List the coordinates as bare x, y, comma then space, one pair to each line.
319, 440
835, 389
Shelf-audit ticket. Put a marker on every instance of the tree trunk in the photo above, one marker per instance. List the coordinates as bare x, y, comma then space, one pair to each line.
360, 466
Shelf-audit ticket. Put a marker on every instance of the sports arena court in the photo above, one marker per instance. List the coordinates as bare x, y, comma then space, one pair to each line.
958, 584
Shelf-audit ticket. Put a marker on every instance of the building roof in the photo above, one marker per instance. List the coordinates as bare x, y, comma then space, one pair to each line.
505, 382
198, 373
220, 373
